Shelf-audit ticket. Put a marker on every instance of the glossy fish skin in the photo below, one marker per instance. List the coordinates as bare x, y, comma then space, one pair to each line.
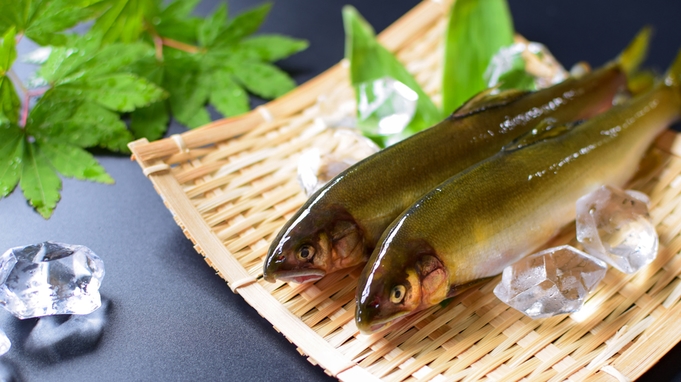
473, 225
339, 226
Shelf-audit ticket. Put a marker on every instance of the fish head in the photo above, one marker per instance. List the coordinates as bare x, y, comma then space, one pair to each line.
314, 243
404, 282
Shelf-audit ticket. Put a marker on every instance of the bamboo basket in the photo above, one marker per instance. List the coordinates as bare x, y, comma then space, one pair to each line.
232, 184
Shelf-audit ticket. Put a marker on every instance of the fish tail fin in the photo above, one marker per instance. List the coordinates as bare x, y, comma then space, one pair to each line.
635, 53
673, 76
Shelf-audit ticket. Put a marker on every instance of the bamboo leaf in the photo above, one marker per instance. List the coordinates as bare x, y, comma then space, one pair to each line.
370, 61
477, 29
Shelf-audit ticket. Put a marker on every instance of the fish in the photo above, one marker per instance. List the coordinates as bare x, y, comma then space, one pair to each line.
339, 226
469, 228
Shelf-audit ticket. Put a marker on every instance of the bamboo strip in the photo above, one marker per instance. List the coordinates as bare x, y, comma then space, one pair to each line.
235, 187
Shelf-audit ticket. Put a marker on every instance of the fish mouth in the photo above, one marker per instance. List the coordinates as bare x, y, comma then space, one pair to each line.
382, 324
300, 276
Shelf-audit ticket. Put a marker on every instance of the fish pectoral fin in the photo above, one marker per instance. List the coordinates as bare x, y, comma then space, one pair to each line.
546, 129
488, 99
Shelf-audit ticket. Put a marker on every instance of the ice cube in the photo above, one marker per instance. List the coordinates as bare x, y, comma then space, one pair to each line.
385, 107
63, 336
50, 278
524, 65
615, 226
316, 169
550, 282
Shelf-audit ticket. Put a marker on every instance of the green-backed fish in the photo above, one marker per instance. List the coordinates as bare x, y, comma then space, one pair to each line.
485, 218
339, 226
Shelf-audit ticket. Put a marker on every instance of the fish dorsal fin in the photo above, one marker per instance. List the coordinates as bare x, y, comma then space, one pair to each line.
487, 99
546, 129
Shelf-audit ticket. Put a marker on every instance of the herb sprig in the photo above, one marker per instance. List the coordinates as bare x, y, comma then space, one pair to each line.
140, 61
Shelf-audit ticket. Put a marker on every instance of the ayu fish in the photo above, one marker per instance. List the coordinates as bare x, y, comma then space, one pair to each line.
339, 226
472, 226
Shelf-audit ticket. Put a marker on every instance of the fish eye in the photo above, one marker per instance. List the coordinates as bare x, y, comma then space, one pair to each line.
306, 252
397, 294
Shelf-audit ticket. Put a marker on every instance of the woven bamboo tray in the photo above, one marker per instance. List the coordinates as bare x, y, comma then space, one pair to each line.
232, 184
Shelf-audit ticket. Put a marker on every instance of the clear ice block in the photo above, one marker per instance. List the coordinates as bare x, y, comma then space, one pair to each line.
524, 65
385, 107
551, 282
615, 226
316, 169
50, 278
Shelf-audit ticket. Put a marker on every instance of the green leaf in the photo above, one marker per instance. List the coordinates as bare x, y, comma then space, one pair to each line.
9, 101
86, 59
39, 182
189, 91
41, 20
55, 16
150, 122
244, 24
370, 61
121, 92
8, 52
227, 96
12, 15
123, 20
11, 154
272, 47
74, 162
211, 27
83, 124
263, 79
175, 21
476, 31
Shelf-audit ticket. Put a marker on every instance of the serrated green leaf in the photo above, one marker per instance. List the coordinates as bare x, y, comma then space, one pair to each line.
476, 31
9, 101
189, 91
11, 154
83, 124
244, 24
39, 182
120, 92
179, 9
8, 52
12, 15
227, 96
150, 122
74, 162
86, 59
41, 20
272, 47
212, 25
55, 16
263, 79
370, 61
123, 20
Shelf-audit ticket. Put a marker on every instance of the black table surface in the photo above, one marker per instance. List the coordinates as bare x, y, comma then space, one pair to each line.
172, 318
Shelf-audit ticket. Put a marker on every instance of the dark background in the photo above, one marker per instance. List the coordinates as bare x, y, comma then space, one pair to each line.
172, 318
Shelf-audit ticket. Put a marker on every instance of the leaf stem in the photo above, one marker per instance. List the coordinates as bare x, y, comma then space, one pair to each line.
28, 94
158, 46
180, 45
13, 76
24, 109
